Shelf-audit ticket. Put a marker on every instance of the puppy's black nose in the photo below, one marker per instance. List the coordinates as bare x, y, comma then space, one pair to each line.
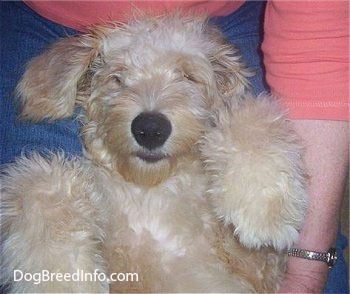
151, 129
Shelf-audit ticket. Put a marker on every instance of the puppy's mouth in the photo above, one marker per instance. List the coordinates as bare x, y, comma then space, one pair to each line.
150, 156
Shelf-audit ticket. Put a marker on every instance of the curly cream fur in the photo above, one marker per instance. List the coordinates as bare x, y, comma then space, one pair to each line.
214, 209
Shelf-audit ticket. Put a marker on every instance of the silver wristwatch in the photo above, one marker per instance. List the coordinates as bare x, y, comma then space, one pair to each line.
329, 257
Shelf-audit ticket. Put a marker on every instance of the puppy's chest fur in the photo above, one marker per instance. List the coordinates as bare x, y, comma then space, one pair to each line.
173, 220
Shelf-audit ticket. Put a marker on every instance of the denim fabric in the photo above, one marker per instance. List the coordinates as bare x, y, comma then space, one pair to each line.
24, 34
244, 28
338, 279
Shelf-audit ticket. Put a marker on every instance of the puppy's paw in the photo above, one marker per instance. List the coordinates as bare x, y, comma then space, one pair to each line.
48, 225
254, 161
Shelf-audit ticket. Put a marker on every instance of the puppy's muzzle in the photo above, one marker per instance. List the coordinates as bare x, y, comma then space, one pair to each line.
151, 129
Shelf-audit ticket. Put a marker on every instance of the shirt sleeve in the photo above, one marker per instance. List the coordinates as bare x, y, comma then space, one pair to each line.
306, 55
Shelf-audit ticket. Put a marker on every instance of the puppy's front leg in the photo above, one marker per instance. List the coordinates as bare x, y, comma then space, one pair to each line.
254, 160
50, 236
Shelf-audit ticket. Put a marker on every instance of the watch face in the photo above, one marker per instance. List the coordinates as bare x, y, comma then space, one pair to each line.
332, 257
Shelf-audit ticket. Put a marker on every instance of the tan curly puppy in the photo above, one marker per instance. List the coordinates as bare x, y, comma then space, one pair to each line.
187, 181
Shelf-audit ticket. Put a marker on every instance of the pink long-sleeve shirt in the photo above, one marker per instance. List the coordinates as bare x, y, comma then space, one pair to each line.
306, 44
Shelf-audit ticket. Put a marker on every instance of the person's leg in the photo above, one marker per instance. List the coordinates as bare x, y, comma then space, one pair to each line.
243, 28
24, 34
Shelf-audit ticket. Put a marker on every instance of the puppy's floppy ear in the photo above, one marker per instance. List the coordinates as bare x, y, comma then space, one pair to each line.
230, 72
48, 88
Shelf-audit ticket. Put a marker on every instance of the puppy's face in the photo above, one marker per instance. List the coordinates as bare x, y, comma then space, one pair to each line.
149, 104
147, 88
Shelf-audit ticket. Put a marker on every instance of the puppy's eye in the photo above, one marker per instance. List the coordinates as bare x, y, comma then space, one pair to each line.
189, 78
117, 79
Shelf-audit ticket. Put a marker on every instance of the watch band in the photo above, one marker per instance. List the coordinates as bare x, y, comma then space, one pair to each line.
329, 257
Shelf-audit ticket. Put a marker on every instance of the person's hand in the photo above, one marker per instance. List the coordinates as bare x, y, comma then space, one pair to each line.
304, 276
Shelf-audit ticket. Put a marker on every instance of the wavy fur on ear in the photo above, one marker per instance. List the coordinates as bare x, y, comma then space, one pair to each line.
48, 88
230, 72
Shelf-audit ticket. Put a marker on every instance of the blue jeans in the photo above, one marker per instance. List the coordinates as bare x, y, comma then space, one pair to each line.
24, 34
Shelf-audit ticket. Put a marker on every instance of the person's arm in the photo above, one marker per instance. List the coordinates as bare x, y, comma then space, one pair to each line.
326, 158
306, 58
